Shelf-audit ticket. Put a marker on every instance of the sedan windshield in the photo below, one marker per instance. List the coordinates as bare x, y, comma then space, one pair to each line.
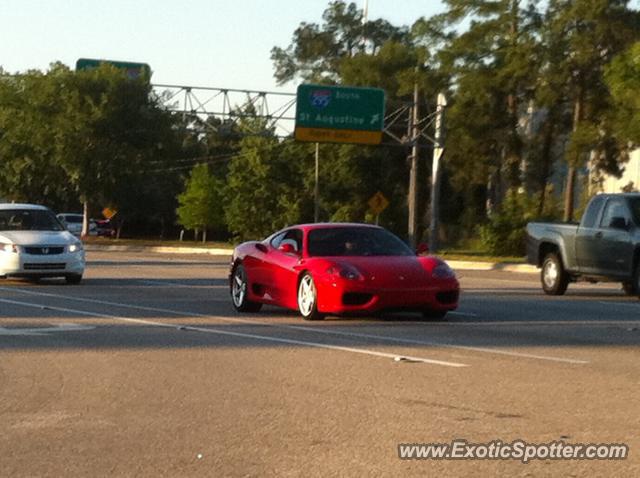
28, 220
355, 241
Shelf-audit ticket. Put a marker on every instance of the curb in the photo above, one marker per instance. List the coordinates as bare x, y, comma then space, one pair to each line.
493, 266
160, 249
456, 265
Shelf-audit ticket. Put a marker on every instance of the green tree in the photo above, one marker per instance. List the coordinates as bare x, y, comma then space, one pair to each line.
591, 33
29, 104
109, 128
492, 64
623, 79
264, 185
201, 202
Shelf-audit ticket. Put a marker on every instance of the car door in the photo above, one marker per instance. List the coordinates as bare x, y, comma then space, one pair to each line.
614, 248
265, 272
283, 275
588, 237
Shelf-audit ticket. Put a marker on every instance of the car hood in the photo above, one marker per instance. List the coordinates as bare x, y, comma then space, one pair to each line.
33, 238
389, 270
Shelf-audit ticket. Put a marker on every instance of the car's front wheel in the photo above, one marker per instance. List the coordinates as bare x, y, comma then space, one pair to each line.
239, 290
308, 298
554, 278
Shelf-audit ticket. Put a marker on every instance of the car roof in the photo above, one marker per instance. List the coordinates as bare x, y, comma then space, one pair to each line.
9, 206
328, 225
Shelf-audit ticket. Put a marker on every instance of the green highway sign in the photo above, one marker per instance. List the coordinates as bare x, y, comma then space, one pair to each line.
133, 70
338, 114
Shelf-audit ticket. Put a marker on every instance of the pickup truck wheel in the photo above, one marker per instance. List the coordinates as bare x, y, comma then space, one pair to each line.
553, 276
630, 288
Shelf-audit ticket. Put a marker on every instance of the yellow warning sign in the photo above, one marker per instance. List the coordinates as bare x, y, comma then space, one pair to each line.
108, 213
378, 203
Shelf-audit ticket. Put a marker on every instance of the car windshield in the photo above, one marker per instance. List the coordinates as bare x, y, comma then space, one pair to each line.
73, 218
355, 241
634, 204
28, 220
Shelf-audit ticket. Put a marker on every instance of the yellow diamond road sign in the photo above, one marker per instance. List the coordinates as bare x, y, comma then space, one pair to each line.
378, 203
108, 213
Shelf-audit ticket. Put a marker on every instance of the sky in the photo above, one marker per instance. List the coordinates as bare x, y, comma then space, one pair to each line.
214, 43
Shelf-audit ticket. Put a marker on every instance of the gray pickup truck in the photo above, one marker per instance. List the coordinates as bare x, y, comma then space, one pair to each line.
605, 246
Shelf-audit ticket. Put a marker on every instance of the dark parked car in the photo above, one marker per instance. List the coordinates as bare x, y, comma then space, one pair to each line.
605, 246
104, 228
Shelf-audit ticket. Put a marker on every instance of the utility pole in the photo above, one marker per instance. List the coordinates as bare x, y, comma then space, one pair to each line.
438, 149
316, 188
413, 174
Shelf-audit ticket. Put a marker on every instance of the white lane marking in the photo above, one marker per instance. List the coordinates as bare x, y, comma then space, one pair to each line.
45, 330
463, 314
267, 338
321, 331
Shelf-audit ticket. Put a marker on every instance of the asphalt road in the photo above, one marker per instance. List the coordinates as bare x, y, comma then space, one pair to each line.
145, 370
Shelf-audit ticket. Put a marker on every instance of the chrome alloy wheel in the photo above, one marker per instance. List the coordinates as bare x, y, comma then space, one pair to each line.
550, 274
306, 296
239, 286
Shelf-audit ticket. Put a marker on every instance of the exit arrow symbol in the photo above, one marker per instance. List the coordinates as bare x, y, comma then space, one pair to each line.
45, 330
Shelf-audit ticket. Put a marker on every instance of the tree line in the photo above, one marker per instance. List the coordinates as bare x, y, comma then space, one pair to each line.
536, 91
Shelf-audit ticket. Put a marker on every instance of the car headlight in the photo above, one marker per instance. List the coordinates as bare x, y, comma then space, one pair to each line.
345, 272
10, 248
75, 247
442, 271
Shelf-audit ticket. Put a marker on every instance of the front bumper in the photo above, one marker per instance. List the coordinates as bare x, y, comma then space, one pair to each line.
344, 297
21, 264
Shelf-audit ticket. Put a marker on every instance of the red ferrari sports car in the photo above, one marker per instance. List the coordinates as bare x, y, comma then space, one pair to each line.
339, 268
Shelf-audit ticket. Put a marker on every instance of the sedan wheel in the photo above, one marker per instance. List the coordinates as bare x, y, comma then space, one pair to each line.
239, 290
308, 298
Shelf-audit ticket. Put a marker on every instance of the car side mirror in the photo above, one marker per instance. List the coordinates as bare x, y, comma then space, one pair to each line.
619, 223
286, 248
422, 249
261, 247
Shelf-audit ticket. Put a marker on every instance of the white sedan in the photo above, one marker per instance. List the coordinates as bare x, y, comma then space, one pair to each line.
34, 244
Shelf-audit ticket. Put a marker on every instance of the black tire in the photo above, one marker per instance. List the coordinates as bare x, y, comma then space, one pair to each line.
630, 288
307, 298
73, 279
434, 314
553, 277
239, 288
636, 280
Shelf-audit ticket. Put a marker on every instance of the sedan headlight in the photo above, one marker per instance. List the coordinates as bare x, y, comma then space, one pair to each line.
442, 271
75, 247
10, 248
